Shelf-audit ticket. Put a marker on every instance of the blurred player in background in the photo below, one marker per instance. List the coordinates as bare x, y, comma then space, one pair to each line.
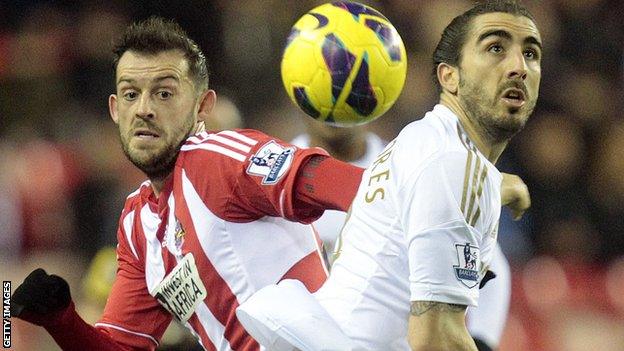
216, 220
421, 232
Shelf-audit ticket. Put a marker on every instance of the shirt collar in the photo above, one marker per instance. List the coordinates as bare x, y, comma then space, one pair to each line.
157, 204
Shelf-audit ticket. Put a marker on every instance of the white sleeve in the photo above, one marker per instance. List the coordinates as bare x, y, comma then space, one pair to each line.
444, 253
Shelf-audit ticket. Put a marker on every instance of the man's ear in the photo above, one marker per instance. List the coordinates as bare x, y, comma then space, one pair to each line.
207, 102
448, 76
112, 108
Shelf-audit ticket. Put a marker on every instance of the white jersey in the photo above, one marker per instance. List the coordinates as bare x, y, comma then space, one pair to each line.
331, 222
423, 226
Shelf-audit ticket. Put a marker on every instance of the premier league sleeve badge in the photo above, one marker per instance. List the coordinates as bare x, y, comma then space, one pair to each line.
467, 271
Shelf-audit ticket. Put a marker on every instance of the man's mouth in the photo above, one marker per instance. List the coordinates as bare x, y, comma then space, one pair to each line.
145, 134
514, 97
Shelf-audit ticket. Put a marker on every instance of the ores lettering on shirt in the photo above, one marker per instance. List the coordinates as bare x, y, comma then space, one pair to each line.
223, 226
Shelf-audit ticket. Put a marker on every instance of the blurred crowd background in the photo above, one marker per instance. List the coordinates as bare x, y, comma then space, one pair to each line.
64, 178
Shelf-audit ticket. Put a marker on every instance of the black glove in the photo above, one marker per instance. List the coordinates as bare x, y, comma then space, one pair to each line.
481, 345
40, 297
489, 275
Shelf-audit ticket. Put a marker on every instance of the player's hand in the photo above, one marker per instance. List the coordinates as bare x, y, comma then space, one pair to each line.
515, 195
41, 298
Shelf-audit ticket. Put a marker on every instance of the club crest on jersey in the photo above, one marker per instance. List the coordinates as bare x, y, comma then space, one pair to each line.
271, 162
178, 238
179, 235
467, 271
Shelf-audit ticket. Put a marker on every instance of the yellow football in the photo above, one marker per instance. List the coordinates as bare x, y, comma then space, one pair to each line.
344, 63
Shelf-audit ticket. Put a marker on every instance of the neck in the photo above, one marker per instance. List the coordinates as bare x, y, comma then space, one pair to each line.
158, 183
346, 148
492, 149
159, 179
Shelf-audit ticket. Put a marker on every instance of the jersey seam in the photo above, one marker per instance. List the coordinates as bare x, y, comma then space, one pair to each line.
127, 331
439, 226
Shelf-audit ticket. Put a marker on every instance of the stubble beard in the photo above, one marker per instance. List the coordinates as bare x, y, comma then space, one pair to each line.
158, 166
498, 126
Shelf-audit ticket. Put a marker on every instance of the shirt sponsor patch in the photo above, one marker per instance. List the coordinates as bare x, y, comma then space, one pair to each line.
181, 291
467, 271
271, 162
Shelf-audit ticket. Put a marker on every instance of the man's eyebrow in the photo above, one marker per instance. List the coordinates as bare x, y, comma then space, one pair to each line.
157, 79
494, 33
506, 35
169, 76
127, 80
533, 40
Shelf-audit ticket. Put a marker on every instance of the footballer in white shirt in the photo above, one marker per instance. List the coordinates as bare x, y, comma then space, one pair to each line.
361, 148
422, 229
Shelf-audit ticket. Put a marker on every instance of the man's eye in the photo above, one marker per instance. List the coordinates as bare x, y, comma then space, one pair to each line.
163, 94
495, 48
130, 95
531, 54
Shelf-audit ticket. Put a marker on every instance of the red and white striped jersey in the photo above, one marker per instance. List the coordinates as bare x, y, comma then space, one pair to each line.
229, 205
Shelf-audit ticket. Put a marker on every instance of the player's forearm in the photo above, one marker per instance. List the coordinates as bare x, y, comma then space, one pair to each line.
72, 333
437, 326
448, 340
328, 183
445, 346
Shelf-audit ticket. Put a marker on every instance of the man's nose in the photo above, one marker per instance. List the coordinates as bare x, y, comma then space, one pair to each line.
517, 66
144, 108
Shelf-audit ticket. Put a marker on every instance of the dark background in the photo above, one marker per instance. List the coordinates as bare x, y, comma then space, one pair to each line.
63, 177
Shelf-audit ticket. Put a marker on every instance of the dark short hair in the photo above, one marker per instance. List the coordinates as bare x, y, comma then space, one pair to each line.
453, 37
155, 35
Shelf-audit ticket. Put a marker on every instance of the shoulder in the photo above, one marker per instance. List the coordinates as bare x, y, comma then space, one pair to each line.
133, 200
212, 164
431, 141
227, 145
128, 239
220, 155
239, 174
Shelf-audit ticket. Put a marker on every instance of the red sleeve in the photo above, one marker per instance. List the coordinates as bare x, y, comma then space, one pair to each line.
132, 320
132, 316
72, 333
327, 183
243, 175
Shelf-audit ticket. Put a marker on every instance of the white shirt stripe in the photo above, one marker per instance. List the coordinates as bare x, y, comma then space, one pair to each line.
214, 329
195, 139
112, 326
203, 134
154, 265
128, 221
239, 136
216, 244
219, 253
136, 192
230, 142
216, 148
234, 248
